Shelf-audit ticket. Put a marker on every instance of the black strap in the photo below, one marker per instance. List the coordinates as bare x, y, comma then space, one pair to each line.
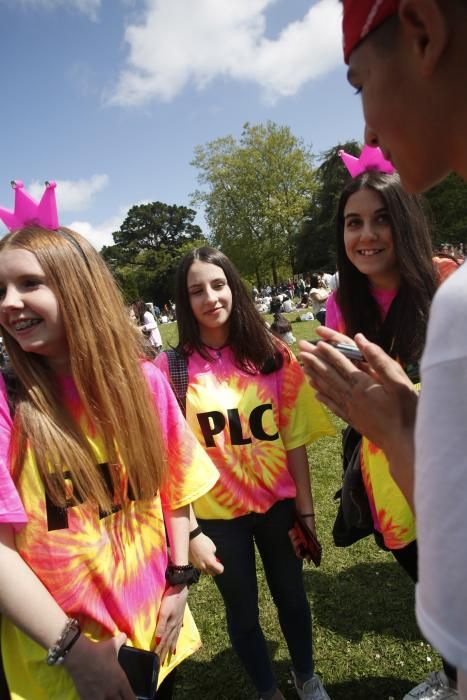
178, 370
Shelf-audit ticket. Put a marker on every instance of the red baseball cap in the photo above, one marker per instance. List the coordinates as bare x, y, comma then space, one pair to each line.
361, 17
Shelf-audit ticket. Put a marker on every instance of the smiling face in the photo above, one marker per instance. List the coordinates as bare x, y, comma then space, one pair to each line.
210, 300
368, 238
29, 310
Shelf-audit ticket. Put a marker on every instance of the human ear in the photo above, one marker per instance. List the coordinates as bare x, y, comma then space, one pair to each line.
425, 26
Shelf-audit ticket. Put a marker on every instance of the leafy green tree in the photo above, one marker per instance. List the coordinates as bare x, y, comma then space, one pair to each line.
315, 241
256, 190
448, 204
148, 247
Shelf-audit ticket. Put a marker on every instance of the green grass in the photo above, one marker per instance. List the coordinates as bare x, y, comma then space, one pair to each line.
366, 642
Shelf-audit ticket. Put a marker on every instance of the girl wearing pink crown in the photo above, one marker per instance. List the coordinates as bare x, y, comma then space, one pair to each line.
387, 280
252, 410
89, 482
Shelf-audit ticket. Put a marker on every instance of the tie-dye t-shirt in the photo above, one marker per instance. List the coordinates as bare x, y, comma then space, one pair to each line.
246, 423
106, 570
392, 515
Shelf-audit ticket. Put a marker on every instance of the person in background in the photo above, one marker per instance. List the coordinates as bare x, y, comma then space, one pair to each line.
408, 60
282, 328
148, 325
318, 296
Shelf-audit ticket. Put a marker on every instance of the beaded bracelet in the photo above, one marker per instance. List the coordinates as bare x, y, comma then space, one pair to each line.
56, 654
183, 575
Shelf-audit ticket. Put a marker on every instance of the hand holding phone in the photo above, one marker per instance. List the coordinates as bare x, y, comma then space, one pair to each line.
142, 670
350, 351
310, 546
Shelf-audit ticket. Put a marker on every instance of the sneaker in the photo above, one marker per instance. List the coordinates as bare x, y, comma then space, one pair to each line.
312, 689
435, 687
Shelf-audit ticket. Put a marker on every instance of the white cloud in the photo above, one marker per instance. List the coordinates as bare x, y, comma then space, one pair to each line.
72, 195
101, 234
87, 7
182, 41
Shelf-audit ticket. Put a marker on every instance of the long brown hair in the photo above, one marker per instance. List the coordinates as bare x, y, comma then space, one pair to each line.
254, 347
104, 351
402, 334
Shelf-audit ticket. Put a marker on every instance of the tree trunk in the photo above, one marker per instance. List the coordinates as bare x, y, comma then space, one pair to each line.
274, 271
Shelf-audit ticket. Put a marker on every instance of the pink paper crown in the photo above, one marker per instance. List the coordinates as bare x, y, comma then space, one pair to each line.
29, 212
370, 159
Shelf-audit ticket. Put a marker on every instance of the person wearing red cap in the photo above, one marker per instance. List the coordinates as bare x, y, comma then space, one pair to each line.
408, 58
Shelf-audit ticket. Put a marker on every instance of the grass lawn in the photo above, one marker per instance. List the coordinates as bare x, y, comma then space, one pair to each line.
366, 642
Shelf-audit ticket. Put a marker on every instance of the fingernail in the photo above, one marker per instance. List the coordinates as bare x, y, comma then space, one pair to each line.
158, 640
217, 559
174, 651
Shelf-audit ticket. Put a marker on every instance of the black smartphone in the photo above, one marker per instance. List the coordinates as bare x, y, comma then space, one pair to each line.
350, 351
142, 670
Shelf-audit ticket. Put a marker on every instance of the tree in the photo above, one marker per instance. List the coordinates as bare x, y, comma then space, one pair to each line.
448, 204
315, 241
148, 247
256, 191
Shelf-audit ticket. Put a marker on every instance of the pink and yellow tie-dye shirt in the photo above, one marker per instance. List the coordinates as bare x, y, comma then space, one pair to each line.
247, 423
392, 515
106, 569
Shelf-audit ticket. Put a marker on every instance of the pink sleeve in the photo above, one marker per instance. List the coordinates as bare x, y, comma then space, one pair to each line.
11, 508
167, 407
333, 315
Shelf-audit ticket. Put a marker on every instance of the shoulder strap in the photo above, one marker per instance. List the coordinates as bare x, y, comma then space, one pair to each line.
178, 370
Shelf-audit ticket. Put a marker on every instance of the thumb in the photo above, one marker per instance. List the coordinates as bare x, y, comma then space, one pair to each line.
218, 567
119, 641
387, 370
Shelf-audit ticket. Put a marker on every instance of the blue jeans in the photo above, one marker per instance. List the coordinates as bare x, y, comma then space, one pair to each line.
235, 540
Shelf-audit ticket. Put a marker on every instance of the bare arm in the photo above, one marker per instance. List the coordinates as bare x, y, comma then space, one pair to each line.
297, 462
202, 550
27, 603
23, 599
173, 603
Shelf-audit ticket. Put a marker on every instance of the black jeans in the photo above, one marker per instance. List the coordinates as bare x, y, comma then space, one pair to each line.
407, 557
166, 688
235, 542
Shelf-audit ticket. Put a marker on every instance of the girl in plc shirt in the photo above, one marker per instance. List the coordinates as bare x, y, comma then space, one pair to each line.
84, 565
252, 410
387, 280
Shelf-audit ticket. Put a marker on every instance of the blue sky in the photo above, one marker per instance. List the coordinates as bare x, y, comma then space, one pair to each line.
110, 97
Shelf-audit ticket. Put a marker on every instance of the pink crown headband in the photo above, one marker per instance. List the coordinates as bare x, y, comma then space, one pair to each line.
370, 159
28, 212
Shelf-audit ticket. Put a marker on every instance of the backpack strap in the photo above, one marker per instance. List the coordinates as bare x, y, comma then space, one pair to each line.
178, 370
